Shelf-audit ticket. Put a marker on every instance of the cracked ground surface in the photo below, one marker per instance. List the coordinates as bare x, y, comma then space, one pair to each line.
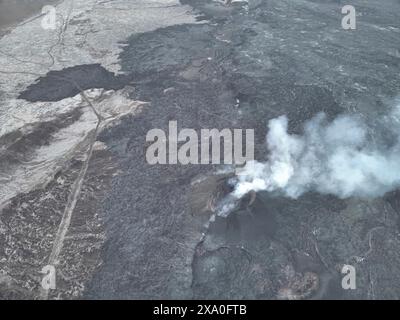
76, 190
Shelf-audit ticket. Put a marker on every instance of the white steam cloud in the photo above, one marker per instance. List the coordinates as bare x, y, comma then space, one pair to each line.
342, 158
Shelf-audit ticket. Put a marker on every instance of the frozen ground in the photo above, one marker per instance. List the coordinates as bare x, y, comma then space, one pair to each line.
77, 193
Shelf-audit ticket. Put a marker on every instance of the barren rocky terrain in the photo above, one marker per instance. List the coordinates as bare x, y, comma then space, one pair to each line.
76, 191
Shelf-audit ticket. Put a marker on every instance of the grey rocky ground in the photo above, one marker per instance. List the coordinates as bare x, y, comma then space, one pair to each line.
79, 194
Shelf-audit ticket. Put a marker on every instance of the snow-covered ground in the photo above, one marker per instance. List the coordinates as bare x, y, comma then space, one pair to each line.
88, 32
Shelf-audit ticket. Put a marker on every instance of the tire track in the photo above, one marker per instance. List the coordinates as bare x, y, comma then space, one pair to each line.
72, 198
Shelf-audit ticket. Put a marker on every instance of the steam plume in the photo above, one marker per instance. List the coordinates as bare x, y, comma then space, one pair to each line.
344, 157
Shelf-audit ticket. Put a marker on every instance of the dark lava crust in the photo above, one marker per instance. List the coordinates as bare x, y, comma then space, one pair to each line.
278, 248
66, 83
247, 64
